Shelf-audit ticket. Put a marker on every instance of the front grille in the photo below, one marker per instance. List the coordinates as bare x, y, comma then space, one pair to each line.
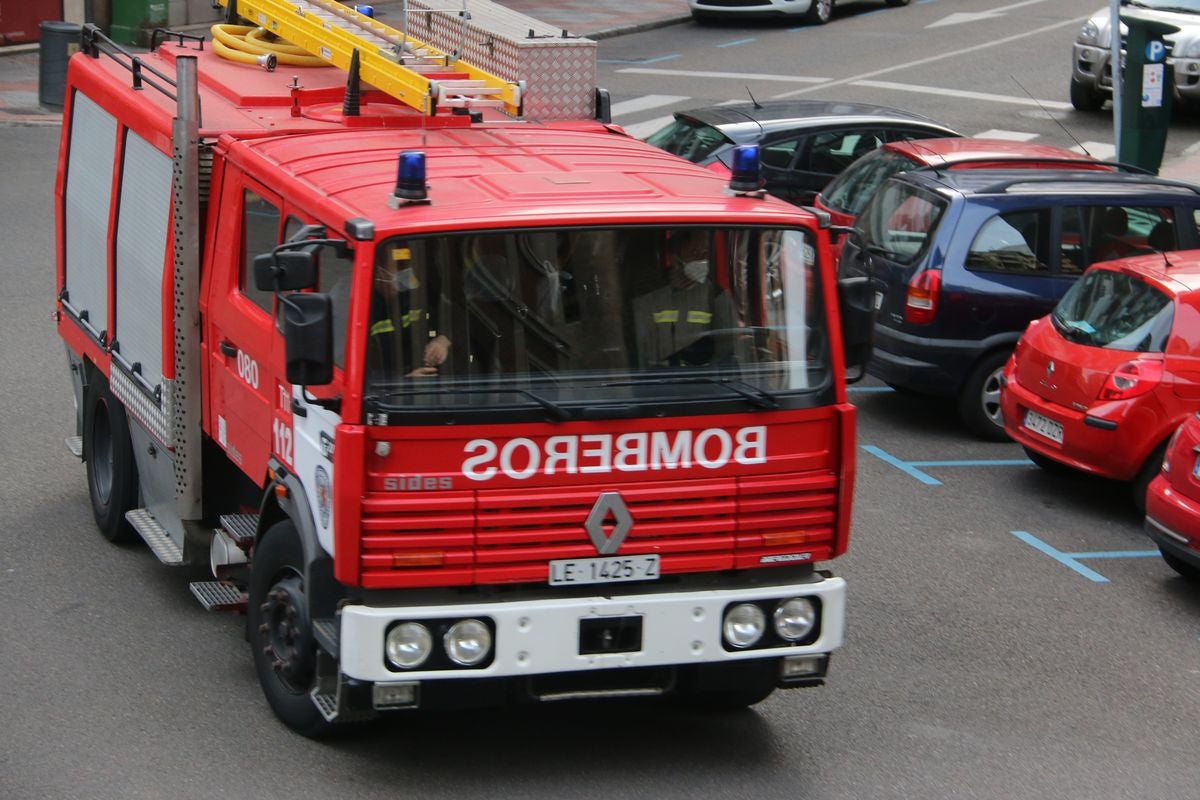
509, 535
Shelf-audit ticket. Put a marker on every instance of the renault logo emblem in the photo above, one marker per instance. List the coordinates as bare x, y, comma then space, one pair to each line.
1050, 368
608, 503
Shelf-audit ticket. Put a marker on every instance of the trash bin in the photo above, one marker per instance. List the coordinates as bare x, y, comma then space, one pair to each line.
58, 41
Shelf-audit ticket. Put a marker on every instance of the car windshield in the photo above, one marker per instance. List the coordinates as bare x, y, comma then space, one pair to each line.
1116, 311
1181, 6
565, 322
851, 190
688, 138
899, 221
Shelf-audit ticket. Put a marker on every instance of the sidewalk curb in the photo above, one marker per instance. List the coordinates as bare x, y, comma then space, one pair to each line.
621, 30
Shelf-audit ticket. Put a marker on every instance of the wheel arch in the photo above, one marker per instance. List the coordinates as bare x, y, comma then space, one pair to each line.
285, 498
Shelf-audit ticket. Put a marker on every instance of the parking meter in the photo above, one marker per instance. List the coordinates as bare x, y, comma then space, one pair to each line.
1147, 91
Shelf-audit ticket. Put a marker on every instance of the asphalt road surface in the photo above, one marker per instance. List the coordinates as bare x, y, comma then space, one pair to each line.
1010, 634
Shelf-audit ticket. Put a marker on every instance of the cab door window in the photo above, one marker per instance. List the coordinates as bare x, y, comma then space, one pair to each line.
260, 234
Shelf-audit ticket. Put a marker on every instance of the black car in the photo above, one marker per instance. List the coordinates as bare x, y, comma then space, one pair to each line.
962, 260
803, 143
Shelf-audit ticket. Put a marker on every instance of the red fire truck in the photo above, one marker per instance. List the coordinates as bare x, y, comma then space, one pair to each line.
461, 407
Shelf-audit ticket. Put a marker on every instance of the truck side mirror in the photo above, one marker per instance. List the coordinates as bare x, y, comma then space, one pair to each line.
308, 338
284, 270
857, 309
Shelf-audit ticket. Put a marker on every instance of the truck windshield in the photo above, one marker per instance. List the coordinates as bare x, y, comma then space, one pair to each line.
569, 322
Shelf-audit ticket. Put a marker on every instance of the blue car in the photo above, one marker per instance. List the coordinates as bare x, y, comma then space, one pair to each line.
961, 261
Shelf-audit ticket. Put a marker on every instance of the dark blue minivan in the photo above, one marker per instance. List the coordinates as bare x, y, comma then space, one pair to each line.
961, 261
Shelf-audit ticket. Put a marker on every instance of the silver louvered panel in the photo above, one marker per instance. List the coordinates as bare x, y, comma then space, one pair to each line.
88, 198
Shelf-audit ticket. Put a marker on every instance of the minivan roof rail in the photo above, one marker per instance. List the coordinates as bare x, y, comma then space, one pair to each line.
1088, 176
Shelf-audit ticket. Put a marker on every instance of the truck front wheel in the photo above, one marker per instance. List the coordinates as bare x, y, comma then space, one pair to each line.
108, 454
281, 637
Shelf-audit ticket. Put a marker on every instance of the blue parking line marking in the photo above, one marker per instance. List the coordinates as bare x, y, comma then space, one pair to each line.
1063, 558
913, 468
870, 389
903, 466
1116, 554
978, 462
737, 42
1071, 560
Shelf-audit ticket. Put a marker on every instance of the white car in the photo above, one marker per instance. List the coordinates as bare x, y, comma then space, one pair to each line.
1091, 72
815, 12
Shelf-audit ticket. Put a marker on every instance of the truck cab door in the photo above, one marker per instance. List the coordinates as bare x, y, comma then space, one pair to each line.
242, 337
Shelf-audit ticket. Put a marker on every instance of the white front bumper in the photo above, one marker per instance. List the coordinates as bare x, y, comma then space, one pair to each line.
542, 636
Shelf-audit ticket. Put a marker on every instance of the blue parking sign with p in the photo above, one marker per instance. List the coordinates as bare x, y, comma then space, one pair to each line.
1156, 51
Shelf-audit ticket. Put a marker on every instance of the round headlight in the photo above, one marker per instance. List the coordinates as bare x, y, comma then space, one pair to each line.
795, 618
408, 645
744, 625
468, 642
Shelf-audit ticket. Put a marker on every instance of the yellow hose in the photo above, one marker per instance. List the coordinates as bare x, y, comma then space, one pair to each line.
245, 43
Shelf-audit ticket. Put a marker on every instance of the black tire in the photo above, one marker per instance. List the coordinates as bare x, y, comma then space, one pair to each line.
281, 637
820, 12
108, 454
728, 687
979, 399
1185, 569
897, 3
1084, 98
1048, 464
1141, 482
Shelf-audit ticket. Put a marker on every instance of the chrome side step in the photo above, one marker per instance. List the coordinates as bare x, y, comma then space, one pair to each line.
75, 445
156, 537
219, 595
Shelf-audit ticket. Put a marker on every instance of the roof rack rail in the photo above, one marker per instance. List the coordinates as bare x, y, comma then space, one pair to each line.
1084, 176
94, 43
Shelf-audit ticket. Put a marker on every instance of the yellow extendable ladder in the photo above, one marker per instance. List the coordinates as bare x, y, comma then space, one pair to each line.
413, 72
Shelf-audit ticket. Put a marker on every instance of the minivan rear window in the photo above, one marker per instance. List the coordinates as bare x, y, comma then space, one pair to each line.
899, 221
1115, 310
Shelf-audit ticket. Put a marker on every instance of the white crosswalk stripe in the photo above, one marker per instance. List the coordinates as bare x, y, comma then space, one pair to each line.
1011, 136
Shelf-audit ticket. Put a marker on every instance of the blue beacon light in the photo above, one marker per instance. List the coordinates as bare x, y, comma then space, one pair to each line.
366, 11
746, 171
410, 178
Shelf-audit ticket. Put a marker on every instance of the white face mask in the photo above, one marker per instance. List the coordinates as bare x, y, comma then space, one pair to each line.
696, 271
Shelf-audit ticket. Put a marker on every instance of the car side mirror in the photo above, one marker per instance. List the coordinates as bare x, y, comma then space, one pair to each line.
308, 338
283, 270
857, 307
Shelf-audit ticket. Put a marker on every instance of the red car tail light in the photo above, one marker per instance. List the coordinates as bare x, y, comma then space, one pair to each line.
921, 302
1132, 379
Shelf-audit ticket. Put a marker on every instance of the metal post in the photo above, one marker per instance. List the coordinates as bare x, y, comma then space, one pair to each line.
1114, 60
186, 393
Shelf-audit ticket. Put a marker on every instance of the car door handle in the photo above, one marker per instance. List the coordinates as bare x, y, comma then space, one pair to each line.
228, 348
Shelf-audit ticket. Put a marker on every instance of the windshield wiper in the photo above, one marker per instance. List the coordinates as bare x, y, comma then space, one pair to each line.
759, 398
553, 410
1080, 332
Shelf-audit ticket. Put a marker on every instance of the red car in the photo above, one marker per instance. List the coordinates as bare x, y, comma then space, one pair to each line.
847, 194
1173, 502
1102, 382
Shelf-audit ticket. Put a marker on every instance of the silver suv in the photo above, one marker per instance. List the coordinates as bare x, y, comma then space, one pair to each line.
1091, 73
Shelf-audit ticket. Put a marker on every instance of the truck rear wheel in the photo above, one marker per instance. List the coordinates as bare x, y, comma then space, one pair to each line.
108, 454
281, 637
728, 687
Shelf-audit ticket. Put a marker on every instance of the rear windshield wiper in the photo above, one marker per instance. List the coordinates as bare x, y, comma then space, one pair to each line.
554, 411
1080, 331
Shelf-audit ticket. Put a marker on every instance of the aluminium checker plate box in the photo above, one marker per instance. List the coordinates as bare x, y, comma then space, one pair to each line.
559, 72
